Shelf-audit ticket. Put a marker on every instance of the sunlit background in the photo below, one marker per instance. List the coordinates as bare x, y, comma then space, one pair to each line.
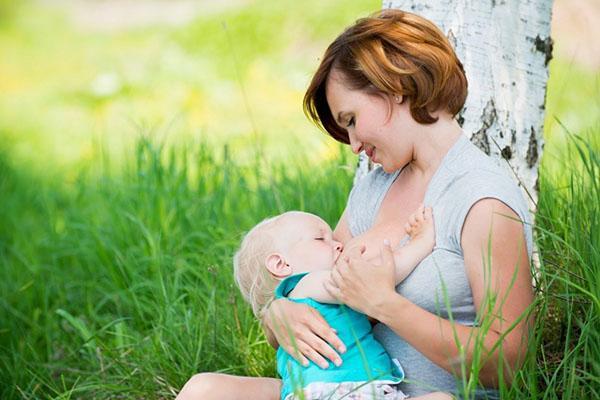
83, 75
77, 75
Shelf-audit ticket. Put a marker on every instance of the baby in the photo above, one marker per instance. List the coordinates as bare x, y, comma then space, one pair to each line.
291, 256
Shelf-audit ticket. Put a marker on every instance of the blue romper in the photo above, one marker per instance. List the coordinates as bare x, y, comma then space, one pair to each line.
364, 360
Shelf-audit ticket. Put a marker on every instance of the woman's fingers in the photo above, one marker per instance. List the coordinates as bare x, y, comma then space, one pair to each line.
304, 333
309, 353
387, 255
319, 326
356, 251
336, 277
322, 338
312, 348
324, 351
297, 350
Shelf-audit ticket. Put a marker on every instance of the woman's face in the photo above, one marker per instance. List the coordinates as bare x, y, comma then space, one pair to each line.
387, 139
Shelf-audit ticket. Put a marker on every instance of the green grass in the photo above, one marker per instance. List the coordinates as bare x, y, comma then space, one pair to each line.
121, 284
124, 284
115, 250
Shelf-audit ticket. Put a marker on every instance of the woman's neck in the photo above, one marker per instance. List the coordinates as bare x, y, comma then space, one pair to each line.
435, 142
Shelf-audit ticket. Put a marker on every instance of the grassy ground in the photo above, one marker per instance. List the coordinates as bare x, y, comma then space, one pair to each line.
115, 278
120, 285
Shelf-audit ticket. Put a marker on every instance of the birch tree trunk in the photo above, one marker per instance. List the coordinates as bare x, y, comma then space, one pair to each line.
505, 47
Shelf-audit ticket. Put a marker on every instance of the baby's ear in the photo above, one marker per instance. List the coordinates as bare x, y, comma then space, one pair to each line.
277, 266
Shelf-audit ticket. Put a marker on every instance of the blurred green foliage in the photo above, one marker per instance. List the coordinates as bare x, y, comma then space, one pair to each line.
236, 75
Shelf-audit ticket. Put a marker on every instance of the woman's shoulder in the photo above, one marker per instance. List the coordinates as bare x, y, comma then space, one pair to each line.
471, 169
470, 177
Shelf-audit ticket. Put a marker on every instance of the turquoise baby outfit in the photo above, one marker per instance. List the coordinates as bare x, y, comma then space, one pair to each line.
364, 360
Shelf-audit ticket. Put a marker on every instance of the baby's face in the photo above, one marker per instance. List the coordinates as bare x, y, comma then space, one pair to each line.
307, 242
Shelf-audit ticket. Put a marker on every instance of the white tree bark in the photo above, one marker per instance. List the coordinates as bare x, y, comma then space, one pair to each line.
505, 47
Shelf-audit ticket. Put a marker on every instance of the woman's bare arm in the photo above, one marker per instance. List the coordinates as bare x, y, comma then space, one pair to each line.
487, 235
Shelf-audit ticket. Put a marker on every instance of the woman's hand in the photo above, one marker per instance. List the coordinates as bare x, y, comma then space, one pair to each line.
362, 285
303, 333
356, 245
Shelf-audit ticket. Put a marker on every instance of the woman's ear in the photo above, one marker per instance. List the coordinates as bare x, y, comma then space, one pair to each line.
277, 266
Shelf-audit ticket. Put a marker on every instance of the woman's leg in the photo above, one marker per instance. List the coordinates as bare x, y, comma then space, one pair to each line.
208, 386
433, 396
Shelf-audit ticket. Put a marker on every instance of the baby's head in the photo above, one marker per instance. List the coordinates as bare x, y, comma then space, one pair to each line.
288, 244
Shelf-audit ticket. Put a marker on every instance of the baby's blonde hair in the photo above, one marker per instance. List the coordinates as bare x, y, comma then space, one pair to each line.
251, 275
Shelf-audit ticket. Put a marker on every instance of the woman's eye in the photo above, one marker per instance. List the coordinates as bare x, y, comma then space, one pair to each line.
319, 238
350, 122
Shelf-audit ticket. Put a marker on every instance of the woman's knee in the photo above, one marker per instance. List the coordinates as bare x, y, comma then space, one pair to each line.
201, 386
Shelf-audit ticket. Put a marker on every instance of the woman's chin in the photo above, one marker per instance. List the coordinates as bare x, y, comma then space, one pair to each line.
388, 169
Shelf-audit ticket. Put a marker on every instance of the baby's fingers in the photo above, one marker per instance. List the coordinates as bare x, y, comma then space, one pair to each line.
412, 219
428, 213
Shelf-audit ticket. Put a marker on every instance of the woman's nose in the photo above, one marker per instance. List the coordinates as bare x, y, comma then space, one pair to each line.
355, 144
338, 246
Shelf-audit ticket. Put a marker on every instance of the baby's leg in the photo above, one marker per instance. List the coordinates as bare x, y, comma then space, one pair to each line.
208, 386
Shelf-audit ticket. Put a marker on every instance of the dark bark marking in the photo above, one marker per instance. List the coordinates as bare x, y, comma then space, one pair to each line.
544, 46
543, 106
513, 137
461, 119
488, 117
532, 149
506, 153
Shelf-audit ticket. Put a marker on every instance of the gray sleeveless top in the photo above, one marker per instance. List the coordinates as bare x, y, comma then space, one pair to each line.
464, 176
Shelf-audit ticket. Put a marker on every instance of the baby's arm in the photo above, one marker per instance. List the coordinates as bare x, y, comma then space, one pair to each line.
311, 286
422, 239
421, 230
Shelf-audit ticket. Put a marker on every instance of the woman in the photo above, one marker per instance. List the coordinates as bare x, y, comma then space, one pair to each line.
391, 86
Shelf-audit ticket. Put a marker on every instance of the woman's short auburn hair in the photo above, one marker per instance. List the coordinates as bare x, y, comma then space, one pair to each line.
391, 52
